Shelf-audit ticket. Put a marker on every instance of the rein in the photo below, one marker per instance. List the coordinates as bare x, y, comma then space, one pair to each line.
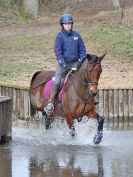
88, 84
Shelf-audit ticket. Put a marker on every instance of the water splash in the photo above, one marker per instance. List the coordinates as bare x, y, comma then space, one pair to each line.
35, 134
57, 135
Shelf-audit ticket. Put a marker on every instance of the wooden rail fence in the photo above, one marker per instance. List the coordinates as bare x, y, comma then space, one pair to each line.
5, 118
113, 103
20, 99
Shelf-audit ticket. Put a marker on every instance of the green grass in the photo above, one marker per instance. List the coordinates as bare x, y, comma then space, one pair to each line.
20, 57
114, 37
26, 44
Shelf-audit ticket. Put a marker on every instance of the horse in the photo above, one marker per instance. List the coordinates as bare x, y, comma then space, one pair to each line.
77, 97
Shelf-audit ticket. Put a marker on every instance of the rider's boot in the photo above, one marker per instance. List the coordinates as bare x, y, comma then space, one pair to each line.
50, 106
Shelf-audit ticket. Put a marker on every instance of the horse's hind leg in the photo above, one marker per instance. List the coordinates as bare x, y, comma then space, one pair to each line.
98, 137
69, 119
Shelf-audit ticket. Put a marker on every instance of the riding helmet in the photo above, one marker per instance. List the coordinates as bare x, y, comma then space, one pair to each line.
66, 18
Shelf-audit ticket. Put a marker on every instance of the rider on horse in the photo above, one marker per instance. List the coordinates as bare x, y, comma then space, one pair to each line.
70, 53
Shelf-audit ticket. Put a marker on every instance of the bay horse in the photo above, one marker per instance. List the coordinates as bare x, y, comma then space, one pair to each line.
77, 98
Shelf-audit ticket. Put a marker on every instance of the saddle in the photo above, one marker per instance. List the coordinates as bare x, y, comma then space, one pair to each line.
49, 84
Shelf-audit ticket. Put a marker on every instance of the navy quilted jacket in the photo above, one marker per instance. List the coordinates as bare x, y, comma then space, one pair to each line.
69, 47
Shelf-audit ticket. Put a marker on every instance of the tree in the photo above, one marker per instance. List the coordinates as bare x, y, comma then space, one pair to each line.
30, 8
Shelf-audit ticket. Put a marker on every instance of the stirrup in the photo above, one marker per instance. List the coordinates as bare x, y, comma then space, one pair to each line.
49, 108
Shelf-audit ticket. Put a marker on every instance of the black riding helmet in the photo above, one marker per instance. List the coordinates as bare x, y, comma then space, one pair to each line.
66, 18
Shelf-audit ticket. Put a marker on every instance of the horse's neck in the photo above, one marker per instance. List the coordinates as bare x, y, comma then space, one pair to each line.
80, 78
81, 72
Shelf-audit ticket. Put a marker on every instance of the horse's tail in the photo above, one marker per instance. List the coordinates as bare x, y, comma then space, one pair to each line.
32, 109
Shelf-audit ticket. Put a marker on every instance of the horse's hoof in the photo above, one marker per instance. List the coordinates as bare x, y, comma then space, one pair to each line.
72, 133
97, 138
47, 126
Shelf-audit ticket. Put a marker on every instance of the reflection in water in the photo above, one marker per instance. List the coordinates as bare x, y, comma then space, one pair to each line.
67, 164
20, 166
5, 162
31, 155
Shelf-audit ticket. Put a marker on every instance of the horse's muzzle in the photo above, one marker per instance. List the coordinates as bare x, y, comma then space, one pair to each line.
91, 93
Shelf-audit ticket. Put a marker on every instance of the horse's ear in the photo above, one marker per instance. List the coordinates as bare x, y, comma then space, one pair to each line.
101, 57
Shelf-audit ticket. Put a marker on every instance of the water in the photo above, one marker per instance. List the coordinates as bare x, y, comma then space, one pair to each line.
35, 152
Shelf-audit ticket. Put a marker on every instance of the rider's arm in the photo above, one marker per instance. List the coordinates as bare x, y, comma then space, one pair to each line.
58, 48
82, 49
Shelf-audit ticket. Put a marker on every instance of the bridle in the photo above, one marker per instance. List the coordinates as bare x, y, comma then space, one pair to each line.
94, 82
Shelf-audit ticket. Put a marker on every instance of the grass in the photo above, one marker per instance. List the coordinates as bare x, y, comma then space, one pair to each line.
115, 38
20, 57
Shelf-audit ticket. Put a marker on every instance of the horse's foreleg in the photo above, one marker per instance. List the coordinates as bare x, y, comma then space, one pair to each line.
69, 120
98, 137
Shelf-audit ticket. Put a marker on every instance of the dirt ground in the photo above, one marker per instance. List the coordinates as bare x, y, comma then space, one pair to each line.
116, 74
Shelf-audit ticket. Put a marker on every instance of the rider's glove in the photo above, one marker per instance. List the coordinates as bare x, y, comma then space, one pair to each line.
66, 67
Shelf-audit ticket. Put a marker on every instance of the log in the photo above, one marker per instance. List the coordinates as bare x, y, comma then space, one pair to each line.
5, 118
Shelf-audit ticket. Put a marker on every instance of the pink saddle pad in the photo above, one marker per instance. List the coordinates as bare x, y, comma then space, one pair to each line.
47, 89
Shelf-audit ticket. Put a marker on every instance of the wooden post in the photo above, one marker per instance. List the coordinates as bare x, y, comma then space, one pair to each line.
122, 11
26, 104
111, 104
111, 108
106, 103
121, 110
126, 111
130, 102
116, 108
5, 119
121, 104
101, 112
21, 103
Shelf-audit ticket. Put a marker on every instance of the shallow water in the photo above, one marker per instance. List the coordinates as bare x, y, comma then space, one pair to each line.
35, 152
